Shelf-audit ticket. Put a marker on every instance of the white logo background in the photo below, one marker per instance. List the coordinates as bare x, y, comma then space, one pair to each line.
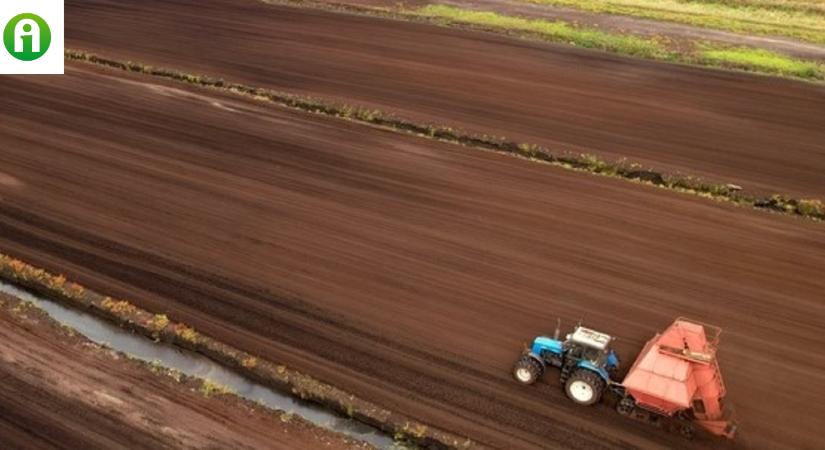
52, 12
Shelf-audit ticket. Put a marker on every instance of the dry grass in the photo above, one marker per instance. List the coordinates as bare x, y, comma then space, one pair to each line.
210, 388
803, 20
697, 53
557, 31
763, 61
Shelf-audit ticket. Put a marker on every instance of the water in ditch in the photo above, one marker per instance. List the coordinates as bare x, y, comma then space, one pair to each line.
196, 365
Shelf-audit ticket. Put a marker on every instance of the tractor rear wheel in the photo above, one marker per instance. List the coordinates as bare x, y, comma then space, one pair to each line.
527, 370
584, 387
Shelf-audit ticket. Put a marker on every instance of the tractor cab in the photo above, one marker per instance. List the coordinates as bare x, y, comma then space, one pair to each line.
592, 347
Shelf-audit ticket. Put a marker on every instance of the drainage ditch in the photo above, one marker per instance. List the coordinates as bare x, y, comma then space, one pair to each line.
196, 365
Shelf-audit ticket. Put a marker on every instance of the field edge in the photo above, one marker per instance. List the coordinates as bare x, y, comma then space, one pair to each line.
808, 208
277, 376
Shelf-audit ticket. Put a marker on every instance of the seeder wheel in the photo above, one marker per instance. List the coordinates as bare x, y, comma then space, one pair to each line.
626, 406
687, 431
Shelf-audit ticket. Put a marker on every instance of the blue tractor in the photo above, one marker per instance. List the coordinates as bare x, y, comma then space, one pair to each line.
584, 358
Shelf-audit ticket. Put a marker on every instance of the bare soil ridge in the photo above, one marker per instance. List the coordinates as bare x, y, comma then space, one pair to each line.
762, 134
61, 391
407, 271
280, 377
808, 208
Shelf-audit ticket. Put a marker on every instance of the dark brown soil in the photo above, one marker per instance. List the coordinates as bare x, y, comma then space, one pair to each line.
761, 133
59, 390
406, 271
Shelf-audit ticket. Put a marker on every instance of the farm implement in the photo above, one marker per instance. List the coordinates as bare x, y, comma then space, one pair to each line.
674, 383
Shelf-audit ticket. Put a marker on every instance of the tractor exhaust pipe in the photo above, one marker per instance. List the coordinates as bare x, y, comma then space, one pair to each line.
558, 329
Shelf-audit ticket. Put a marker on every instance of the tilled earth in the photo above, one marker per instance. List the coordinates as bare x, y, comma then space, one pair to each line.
59, 390
406, 271
762, 133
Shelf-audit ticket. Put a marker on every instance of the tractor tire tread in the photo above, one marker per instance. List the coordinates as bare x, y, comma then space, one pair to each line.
591, 378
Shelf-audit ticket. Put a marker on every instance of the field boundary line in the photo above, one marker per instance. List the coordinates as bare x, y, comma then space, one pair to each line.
28, 313
757, 60
808, 208
402, 428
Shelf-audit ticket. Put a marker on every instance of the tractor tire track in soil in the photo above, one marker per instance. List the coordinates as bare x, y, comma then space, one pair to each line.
761, 133
407, 271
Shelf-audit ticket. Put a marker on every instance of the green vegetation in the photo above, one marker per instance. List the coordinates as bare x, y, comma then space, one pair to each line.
811, 6
798, 19
749, 59
553, 31
811, 208
159, 322
119, 307
249, 362
804, 207
763, 61
208, 388
188, 334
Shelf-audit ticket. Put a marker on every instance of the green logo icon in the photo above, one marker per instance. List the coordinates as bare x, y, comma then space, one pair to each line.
27, 36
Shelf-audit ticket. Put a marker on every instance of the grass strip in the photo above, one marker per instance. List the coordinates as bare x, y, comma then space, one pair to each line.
763, 61
740, 58
803, 20
557, 31
589, 163
279, 377
661, 49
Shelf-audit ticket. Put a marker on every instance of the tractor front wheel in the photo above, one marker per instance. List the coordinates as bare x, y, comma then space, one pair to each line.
527, 370
584, 387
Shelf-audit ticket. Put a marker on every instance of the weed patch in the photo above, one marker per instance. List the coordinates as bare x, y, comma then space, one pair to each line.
802, 20
159, 322
210, 388
811, 208
119, 307
249, 362
807, 208
763, 61
187, 334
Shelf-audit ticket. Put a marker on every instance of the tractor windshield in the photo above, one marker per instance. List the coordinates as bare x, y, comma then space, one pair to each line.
596, 356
